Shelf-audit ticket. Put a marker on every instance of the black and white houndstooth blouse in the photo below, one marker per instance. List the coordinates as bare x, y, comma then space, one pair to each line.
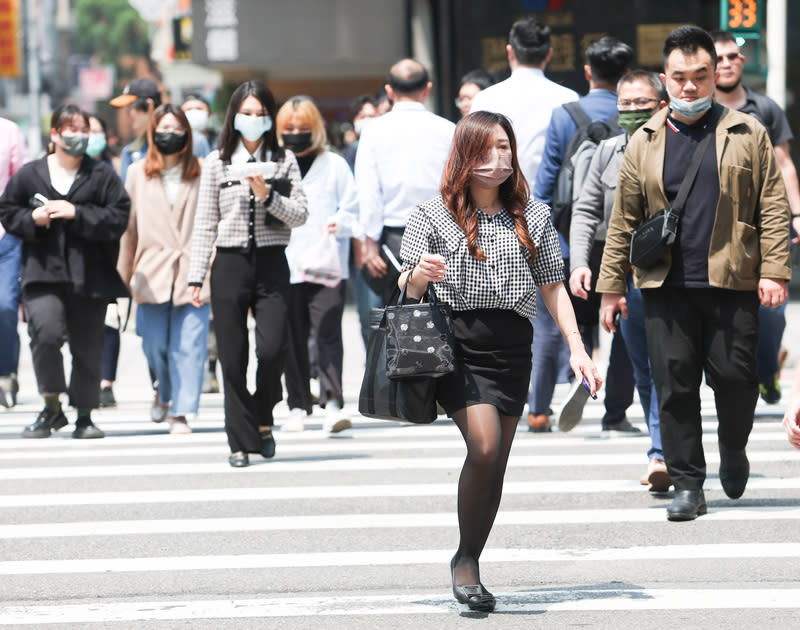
504, 280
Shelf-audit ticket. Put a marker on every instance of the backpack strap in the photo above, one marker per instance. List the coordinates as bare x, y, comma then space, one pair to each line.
577, 114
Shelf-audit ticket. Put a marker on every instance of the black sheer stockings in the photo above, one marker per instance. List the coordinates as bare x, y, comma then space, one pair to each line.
488, 436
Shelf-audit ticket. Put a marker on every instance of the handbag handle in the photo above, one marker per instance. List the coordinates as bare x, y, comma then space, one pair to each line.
428, 291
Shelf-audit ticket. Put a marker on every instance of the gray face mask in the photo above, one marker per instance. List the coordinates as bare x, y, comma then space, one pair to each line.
75, 145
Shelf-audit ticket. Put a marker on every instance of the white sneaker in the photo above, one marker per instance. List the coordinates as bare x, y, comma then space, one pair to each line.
296, 421
336, 419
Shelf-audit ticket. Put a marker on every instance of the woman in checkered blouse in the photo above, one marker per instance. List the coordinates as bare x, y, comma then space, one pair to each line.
486, 247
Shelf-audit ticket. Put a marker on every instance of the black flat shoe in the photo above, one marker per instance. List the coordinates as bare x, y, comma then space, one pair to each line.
734, 471
87, 431
239, 459
475, 596
46, 422
267, 444
687, 505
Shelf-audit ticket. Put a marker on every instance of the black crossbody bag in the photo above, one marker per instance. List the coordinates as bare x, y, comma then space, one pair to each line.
654, 238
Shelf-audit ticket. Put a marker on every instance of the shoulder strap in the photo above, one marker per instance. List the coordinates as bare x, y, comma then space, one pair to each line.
691, 172
578, 115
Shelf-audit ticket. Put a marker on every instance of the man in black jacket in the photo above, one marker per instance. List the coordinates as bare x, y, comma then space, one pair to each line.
69, 211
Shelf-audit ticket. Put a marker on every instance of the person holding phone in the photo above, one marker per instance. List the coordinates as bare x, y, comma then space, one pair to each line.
247, 221
488, 248
70, 212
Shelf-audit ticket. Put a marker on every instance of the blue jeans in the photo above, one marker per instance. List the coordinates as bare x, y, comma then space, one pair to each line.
175, 342
550, 355
771, 324
10, 254
633, 332
366, 299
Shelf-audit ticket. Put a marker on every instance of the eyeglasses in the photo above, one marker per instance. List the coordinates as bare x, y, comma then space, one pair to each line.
732, 56
638, 102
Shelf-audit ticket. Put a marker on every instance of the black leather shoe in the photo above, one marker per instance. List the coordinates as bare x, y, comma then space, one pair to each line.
267, 444
687, 505
87, 431
734, 471
475, 596
46, 422
239, 459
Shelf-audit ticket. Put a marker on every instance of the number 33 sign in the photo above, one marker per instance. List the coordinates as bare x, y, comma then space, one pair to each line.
742, 15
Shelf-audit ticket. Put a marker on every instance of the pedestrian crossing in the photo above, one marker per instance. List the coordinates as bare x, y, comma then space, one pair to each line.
147, 529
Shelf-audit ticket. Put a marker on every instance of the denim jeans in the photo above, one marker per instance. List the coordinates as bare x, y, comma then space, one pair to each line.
550, 355
175, 342
771, 324
366, 299
635, 336
10, 254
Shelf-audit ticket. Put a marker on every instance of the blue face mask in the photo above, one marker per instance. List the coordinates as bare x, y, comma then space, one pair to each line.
252, 127
97, 143
689, 109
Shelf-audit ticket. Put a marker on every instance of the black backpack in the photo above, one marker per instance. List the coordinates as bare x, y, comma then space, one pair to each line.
575, 165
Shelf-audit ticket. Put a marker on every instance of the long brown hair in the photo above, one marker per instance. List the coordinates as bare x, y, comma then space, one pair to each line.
154, 161
471, 145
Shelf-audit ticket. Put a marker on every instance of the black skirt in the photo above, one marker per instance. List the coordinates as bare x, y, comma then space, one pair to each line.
493, 362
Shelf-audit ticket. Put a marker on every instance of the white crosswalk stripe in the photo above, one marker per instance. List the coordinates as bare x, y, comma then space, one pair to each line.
362, 527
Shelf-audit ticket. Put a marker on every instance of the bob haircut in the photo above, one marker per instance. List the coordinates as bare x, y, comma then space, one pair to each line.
62, 116
471, 147
303, 107
229, 137
154, 161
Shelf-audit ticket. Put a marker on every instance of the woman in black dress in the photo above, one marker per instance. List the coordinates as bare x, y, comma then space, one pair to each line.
486, 246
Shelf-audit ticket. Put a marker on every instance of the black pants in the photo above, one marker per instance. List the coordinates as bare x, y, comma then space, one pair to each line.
315, 311
55, 315
240, 282
690, 331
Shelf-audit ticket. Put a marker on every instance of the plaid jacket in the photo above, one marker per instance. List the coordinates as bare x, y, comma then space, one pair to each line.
223, 206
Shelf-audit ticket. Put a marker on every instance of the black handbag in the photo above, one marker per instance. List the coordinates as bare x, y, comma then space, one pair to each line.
419, 337
654, 238
409, 400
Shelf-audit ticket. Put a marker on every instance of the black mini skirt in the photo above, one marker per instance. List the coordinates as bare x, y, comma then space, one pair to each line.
493, 362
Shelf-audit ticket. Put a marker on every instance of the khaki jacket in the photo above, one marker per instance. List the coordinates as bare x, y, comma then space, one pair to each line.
750, 237
154, 251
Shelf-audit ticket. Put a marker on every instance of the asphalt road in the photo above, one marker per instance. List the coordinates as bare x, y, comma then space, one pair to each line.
148, 530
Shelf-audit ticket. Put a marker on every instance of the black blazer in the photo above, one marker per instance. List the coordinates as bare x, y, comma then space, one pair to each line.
81, 251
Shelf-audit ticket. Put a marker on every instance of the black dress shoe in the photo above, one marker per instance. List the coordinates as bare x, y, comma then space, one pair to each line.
86, 430
46, 422
267, 444
239, 459
687, 505
107, 397
475, 596
734, 471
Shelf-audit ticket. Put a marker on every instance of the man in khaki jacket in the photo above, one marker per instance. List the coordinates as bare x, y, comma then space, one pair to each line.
731, 252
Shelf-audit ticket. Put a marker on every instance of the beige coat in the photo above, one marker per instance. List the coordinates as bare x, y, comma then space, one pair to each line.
154, 251
750, 237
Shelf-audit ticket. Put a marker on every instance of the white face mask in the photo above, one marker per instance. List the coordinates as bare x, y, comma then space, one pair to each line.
198, 119
252, 127
358, 125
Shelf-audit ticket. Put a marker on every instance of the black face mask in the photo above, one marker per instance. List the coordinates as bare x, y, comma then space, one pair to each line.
297, 142
168, 142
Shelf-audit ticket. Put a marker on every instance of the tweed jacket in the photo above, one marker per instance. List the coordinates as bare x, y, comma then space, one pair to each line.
223, 212
750, 237
155, 249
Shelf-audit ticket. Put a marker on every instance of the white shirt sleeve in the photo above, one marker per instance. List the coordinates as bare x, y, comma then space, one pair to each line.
370, 199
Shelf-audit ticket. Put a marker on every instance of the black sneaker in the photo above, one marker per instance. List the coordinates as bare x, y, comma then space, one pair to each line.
623, 427
86, 430
107, 397
770, 392
46, 422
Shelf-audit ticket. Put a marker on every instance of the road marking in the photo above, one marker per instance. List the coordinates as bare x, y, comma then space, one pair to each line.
292, 493
355, 463
424, 603
367, 521
394, 558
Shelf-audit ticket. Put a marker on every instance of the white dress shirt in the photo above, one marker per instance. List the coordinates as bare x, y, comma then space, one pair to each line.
331, 194
527, 98
399, 164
